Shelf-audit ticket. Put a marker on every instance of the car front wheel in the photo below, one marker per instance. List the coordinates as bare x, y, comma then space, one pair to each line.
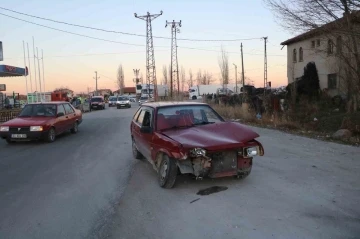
51, 135
167, 172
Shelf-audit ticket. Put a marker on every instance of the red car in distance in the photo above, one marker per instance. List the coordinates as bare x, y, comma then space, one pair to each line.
41, 121
192, 138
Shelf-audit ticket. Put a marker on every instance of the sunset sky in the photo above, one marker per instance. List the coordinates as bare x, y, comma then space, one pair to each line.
70, 60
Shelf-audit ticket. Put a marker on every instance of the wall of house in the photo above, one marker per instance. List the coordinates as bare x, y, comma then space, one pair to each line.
325, 64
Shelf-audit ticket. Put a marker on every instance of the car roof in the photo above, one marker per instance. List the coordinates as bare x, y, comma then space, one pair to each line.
171, 103
47, 103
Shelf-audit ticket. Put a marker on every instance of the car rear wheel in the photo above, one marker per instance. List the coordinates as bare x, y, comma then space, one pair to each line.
51, 135
135, 151
167, 172
75, 128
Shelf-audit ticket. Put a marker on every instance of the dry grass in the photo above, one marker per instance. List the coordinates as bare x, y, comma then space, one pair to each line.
242, 114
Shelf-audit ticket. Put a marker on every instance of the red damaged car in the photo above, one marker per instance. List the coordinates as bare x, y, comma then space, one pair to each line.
192, 138
41, 121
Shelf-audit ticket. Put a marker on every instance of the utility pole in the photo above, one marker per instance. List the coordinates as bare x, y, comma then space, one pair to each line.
174, 68
242, 67
150, 57
265, 64
96, 83
235, 78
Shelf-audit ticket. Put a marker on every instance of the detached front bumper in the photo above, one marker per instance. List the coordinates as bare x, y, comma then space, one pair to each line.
23, 136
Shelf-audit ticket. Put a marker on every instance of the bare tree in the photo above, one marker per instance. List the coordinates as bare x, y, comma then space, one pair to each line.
204, 78
165, 75
333, 19
224, 66
120, 81
190, 81
182, 78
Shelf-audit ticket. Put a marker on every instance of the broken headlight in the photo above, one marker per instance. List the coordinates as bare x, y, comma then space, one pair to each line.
250, 152
197, 152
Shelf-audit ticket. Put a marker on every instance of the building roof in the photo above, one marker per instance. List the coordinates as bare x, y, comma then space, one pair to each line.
320, 30
171, 103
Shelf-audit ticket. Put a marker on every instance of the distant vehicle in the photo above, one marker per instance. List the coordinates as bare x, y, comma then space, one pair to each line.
123, 101
196, 92
143, 99
41, 121
97, 102
146, 90
112, 101
192, 138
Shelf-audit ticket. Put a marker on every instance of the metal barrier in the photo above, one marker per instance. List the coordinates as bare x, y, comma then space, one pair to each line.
6, 115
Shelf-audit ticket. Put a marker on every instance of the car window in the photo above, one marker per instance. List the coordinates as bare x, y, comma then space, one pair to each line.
139, 120
41, 110
60, 109
147, 119
137, 114
68, 109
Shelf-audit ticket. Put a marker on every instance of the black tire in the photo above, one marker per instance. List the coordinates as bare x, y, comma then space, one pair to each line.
194, 97
167, 172
51, 135
9, 141
136, 153
129, 106
75, 129
117, 107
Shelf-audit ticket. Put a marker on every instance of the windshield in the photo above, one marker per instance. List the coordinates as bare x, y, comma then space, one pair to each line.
43, 110
121, 98
144, 98
112, 98
186, 116
97, 99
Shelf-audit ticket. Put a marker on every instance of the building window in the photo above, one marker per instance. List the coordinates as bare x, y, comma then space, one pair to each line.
338, 45
294, 55
301, 54
330, 48
332, 81
318, 42
312, 44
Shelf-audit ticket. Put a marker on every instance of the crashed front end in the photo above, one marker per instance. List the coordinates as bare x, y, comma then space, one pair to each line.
218, 163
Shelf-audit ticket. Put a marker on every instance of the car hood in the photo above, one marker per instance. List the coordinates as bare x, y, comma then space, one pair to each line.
28, 121
217, 136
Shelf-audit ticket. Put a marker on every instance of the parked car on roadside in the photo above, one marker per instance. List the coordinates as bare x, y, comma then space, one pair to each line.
192, 138
45, 121
123, 101
97, 102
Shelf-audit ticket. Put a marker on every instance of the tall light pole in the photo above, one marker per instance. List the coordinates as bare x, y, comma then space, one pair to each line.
235, 78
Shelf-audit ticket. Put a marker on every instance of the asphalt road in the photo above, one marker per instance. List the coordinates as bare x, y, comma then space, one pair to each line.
301, 188
70, 188
89, 186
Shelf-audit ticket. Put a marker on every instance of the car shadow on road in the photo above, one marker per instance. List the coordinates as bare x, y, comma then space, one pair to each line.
186, 181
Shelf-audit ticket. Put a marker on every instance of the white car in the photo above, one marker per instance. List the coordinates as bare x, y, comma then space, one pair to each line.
123, 101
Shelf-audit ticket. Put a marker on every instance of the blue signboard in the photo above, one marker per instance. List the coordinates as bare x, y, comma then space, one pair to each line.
7, 71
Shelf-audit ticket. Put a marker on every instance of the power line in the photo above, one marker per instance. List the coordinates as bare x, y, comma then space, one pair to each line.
126, 33
124, 43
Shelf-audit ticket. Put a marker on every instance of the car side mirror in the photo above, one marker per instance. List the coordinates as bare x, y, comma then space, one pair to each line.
146, 129
60, 114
